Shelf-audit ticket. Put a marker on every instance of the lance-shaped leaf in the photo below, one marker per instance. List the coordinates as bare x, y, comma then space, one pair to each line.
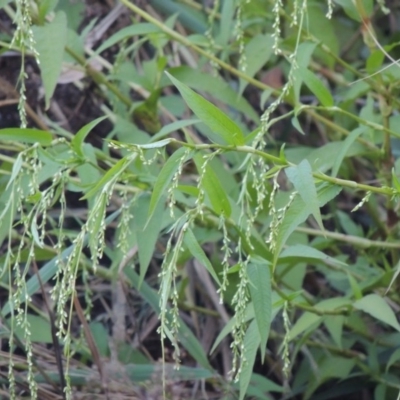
164, 178
250, 345
303, 181
377, 307
211, 185
26, 135
50, 42
79, 138
210, 115
260, 290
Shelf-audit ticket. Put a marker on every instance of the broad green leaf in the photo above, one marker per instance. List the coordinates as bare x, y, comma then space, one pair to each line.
215, 86
329, 367
26, 135
147, 231
79, 138
164, 178
306, 322
334, 325
211, 185
210, 115
377, 307
40, 331
260, 387
198, 253
257, 52
323, 29
193, 20
299, 251
250, 345
87, 172
174, 126
303, 181
357, 292
260, 290
345, 148
356, 90
277, 303
110, 175
317, 87
100, 337
15, 170
155, 145
336, 367
303, 57
227, 24
296, 124
333, 303
50, 42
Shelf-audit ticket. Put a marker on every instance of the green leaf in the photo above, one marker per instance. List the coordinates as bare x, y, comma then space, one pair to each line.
147, 231
323, 30
307, 321
260, 387
164, 178
145, 115
50, 42
377, 307
100, 337
133, 30
296, 124
257, 52
317, 87
260, 290
210, 115
40, 331
357, 292
79, 138
298, 212
345, 147
16, 168
216, 87
198, 253
174, 126
299, 251
26, 135
334, 325
250, 345
211, 185
155, 145
227, 329
303, 58
110, 175
302, 179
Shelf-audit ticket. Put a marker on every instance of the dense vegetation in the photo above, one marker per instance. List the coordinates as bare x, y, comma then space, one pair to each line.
199, 199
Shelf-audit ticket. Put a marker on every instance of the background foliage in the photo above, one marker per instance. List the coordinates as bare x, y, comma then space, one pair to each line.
222, 175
